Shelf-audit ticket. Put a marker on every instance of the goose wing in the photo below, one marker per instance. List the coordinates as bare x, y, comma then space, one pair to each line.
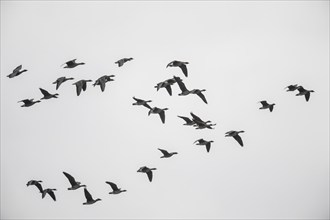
183, 67
164, 152
149, 174
88, 195
307, 95
169, 89
182, 86
17, 69
38, 185
113, 186
196, 118
201, 95
238, 139
162, 116
70, 178
78, 88
44, 92
52, 194
84, 85
208, 146
138, 100
102, 84
187, 120
264, 103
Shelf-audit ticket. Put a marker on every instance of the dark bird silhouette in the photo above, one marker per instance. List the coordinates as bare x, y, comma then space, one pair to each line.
166, 154
61, 80
185, 91
204, 142
198, 121
115, 189
74, 184
265, 105
304, 92
204, 125
47, 95
187, 120
49, 192
72, 64
235, 135
167, 85
89, 198
141, 102
159, 111
102, 80
180, 64
16, 72
122, 61
28, 102
199, 93
35, 183
148, 171
81, 85
291, 88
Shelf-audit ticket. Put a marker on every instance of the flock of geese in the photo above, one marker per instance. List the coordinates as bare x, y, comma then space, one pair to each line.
195, 121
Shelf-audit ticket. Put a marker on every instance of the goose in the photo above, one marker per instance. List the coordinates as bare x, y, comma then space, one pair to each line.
199, 93
50, 192
61, 80
17, 71
35, 183
198, 121
167, 85
89, 198
265, 105
122, 61
166, 154
102, 80
147, 170
47, 95
185, 91
180, 64
115, 189
142, 102
81, 85
291, 88
74, 184
207, 144
304, 92
235, 135
187, 120
159, 111
28, 102
72, 64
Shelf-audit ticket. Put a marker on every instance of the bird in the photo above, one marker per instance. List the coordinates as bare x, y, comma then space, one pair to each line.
61, 80
303, 91
187, 120
50, 192
47, 95
185, 91
235, 135
35, 183
115, 189
204, 125
122, 61
74, 184
180, 64
198, 121
148, 171
142, 102
167, 85
291, 88
265, 105
207, 144
81, 85
166, 154
102, 80
28, 102
71, 64
16, 72
159, 111
199, 93
89, 198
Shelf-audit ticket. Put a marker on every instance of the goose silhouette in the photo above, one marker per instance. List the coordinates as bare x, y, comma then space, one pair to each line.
207, 144
89, 198
122, 61
167, 85
61, 80
81, 85
50, 192
159, 111
35, 183
28, 102
72, 64
304, 92
115, 189
74, 184
47, 95
148, 171
102, 80
142, 102
180, 64
185, 91
235, 135
16, 72
265, 105
166, 154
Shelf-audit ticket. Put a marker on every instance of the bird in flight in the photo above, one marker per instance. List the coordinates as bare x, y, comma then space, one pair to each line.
304, 92
89, 198
207, 144
122, 61
291, 88
49, 192
74, 184
16, 72
115, 189
185, 91
72, 64
35, 183
28, 102
166, 154
102, 80
180, 64
159, 111
166, 84
265, 105
141, 102
81, 85
235, 135
61, 80
148, 171
47, 95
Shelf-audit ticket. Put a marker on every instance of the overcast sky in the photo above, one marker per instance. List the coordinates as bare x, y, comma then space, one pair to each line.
241, 52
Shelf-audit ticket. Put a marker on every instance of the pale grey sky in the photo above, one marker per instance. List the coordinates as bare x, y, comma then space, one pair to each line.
241, 52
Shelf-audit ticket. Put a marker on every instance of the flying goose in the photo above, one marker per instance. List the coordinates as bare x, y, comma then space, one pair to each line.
235, 135
199, 93
148, 171
207, 144
167, 85
265, 105
47, 95
159, 111
198, 120
141, 102
115, 189
74, 184
102, 80
304, 92
50, 192
180, 64
81, 85
291, 88
89, 198
72, 63
187, 120
35, 183
122, 61
61, 80
185, 91
28, 102
17, 71
166, 154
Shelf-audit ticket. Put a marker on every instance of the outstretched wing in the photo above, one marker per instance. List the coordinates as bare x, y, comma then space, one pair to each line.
185, 118
183, 67
88, 195
17, 69
138, 100
182, 86
70, 178
264, 103
162, 116
113, 185
307, 95
52, 194
164, 152
169, 89
44, 92
201, 95
208, 146
38, 185
238, 139
149, 173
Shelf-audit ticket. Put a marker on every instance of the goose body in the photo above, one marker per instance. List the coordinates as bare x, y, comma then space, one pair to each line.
89, 198
185, 91
16, 72
304, 92
81, 85
50, 192
180, 64
142, 102
167, 85
159, 111
148, 171
28, 102
198, 121
235, 135
61, 80
199, 93
102, 80
47, 95
166, 154
74, 184
204, 142
72, 64
35, 183
121, 62
265, 105
291, 88
115, 189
